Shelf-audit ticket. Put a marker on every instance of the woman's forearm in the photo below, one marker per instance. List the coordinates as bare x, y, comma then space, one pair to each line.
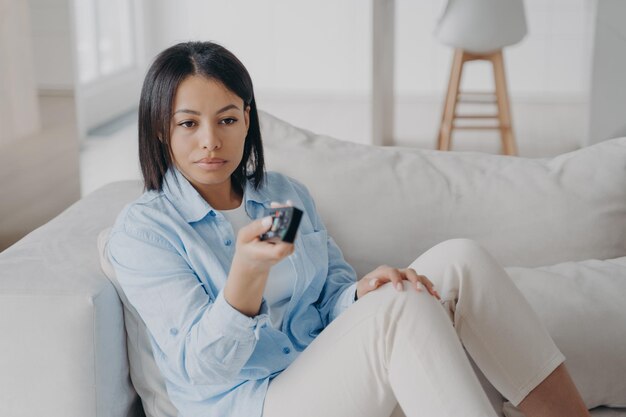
244, 289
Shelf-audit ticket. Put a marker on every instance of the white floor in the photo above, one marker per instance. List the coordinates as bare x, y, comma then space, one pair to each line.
543, 129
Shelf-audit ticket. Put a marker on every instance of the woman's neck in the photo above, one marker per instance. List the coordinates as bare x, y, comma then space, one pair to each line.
224, 199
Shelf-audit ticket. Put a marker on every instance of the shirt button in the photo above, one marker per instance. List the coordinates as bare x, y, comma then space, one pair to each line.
286, 350
212, 213
173, 331
227, 242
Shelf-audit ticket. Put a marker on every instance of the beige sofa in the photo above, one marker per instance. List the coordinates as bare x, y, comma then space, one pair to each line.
558, 225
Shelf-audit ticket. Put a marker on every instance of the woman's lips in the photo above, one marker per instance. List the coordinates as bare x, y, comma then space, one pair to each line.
210, 166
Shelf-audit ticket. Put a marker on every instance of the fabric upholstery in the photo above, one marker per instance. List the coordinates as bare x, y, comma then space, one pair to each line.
63, 344
582, 305
402, 201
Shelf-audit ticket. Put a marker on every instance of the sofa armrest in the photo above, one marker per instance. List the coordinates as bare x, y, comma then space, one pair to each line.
63, 344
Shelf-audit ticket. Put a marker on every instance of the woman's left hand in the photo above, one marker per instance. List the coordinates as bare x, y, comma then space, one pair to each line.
384, 274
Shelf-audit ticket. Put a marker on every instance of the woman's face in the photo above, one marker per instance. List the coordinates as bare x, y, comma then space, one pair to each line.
208, 121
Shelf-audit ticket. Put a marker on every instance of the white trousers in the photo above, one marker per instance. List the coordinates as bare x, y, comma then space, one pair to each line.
404, 347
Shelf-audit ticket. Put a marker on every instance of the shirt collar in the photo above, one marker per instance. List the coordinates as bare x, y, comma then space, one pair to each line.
193, 207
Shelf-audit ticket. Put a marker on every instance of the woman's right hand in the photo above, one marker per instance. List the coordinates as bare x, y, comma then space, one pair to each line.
251, 264
251, 253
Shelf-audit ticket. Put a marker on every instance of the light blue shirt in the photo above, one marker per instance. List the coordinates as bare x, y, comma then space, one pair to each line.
172, 253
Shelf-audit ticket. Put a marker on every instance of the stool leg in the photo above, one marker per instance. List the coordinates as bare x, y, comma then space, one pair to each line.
504, 114
449, 108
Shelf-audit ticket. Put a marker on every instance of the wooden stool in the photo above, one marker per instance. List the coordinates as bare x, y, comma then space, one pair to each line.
454, 96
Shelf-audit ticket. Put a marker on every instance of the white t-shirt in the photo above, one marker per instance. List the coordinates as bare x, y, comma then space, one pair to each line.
281, 279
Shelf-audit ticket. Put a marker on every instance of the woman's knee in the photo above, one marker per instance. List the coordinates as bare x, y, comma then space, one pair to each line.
460, 251
459, 254
397, 302
461, 248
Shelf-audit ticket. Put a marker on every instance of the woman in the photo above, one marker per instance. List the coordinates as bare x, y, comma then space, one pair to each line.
244, 327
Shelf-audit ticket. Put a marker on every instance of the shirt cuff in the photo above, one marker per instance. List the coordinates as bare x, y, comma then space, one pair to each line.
233, 322
346, 299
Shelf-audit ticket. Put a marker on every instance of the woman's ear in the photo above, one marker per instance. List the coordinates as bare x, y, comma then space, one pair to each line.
246, 116
159, 134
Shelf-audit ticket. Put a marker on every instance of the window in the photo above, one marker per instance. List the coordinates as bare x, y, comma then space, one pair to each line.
104, 38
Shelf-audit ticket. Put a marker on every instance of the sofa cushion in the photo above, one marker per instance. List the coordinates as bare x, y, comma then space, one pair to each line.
390, 204
582, 305
144, 373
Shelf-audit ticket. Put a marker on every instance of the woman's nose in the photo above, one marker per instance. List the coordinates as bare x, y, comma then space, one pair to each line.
210, 139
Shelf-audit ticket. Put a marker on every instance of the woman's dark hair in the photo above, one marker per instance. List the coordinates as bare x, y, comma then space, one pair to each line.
166, 73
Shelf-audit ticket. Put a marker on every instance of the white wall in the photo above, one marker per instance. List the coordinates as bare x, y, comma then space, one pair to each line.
52, 44
19, 110
317, 47
607, 104
322, 47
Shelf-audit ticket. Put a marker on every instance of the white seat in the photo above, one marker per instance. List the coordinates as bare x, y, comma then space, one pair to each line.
482, 26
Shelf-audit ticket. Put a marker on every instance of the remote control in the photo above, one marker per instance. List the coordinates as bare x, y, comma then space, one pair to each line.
284, 225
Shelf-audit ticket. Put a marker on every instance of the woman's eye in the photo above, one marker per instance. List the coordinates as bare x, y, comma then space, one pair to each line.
187, 123
228, 121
